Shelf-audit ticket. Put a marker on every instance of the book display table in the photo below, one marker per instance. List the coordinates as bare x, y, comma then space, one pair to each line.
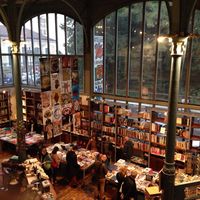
145, 176
7, 135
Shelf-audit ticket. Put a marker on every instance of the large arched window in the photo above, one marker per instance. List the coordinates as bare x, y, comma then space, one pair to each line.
46, 35
6, 72
128, 60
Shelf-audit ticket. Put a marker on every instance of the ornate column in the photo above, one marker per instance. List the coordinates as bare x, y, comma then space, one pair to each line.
21, 146
168, 172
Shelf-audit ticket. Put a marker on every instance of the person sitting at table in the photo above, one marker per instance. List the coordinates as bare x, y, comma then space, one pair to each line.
45, 159
129, 190
92, 143
55, 163
73, 168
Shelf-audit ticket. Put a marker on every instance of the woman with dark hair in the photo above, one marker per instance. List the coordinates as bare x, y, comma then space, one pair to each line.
55, 163
73, 168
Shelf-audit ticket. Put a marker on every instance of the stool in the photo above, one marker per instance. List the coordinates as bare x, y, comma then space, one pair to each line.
153, 193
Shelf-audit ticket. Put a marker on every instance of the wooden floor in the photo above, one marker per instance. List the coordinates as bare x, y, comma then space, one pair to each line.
82, 192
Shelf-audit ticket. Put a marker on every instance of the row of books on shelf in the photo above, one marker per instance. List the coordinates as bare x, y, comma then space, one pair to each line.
143, 146
180, 144
108, 129
3, 96
128, 113
97, 116
133, 133
85, 114
96, 125
4, 111
109, 118
3, 104
161, 152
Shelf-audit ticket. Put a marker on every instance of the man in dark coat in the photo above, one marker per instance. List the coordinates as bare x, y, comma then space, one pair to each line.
100, 172
129, 190
128, 149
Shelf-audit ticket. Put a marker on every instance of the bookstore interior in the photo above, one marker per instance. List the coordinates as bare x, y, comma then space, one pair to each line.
99, 99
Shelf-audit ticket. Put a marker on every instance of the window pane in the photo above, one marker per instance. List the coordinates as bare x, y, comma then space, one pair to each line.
81, 73
43, 34
163, 71
70, 36
195, 71
30, 70
183, 75
149, 51
23, 69
135, 49
22, 44
5, 45
35, 33
98, 57
122, 50
37, 70
52, 33
110, 53
195, 63
61, 34
7, 70
79, 39
28, 37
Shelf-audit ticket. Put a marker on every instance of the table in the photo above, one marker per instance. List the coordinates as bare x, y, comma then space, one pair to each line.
85, 158
8, 135
31, 175
141, 179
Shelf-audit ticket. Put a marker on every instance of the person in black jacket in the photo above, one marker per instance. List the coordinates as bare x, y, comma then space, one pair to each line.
129, 190
73, 168
100, 172
120, 176
127, 149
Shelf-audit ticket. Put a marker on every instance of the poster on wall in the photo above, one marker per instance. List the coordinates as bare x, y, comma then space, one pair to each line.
98, 64
66, 73
45, 74
57, 113
76, 106
66, 87
56, 97
55, 81
67, 61
67, 115
76, 121
46, 99
57, 128
54, 64
65, 98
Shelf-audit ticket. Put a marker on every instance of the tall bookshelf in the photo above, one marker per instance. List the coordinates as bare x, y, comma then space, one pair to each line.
31, 102
5, 108
146, 126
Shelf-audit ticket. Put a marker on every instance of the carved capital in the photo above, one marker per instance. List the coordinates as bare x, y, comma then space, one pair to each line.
178, 45
15, 47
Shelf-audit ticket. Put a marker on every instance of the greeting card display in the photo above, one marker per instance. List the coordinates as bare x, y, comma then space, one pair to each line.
60, 92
